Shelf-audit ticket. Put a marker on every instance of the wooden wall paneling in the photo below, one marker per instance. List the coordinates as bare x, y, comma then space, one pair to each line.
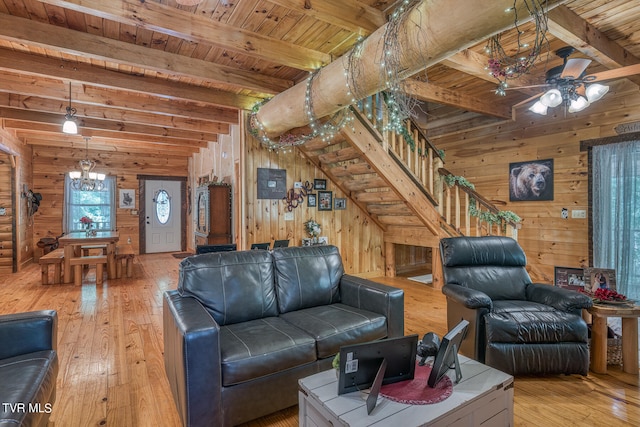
483, 156
6, 219
359, 241
50, 164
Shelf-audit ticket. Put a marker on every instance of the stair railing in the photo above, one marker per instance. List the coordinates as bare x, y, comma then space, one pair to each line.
425, 162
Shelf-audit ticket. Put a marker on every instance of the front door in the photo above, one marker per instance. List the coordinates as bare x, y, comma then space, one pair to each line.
163, 216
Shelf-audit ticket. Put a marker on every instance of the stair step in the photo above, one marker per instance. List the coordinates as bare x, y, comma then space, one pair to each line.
358, 168
387, 208
406, 220
365, 183
319, 144
341, 155
376, 196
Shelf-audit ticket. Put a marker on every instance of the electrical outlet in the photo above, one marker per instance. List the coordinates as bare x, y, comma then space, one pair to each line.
288, 216
578, 213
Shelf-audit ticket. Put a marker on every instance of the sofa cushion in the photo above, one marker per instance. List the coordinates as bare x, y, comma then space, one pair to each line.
530, 322
307, 276
336, 325
28, 378
261, 347
233, 286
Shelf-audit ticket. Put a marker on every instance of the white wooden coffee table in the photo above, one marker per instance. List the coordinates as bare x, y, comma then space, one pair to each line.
484, 397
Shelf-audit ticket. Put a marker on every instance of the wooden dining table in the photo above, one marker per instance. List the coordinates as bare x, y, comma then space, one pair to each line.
73, 243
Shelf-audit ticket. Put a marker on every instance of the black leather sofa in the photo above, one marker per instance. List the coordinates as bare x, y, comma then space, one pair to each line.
28, 367
243, 327
516, 326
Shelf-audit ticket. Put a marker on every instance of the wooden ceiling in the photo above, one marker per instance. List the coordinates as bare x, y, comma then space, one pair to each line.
151, 74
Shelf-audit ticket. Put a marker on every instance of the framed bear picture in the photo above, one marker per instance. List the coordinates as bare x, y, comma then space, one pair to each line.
531, 181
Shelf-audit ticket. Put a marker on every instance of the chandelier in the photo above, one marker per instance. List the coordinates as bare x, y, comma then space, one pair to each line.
570, 94
85, 179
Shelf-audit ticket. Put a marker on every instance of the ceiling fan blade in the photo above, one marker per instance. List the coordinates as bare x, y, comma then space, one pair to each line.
574, 68
613, 74
527, 87
528, 100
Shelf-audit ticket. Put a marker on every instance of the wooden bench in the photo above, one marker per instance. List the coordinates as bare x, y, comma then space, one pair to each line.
87, 248
55, 258
124, 255
77, 263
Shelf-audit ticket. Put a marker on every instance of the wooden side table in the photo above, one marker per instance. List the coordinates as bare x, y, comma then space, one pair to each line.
629, 315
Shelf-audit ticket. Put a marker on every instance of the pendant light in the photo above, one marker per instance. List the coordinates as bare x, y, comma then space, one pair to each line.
70, 127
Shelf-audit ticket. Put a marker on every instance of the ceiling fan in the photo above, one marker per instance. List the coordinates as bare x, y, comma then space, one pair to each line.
567, 84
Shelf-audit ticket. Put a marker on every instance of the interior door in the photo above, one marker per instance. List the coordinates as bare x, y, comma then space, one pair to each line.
163, 216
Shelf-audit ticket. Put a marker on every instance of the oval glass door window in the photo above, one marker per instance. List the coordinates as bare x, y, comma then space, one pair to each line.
163, 206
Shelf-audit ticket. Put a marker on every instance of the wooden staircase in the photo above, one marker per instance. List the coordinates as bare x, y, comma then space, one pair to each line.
400, 189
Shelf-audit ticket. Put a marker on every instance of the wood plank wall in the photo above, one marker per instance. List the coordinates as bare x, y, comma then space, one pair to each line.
483, 156
358, 239
6, 218
21, 163
50, 164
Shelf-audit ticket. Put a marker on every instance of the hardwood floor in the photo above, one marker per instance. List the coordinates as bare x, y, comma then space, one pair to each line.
111, 368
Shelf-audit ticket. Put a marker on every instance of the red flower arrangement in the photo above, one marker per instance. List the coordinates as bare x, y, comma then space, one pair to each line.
86, 220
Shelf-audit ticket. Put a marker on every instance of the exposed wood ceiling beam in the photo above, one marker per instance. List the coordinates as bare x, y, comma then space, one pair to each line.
351, 15
45, 129
175, 22
89, 95
34, 103
100, 77
575, 31
21, 30
105, 144
429, 92
55, 119
475, 65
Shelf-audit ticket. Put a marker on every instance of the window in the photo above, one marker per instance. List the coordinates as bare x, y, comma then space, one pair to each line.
163, 206
616, 213
97, 205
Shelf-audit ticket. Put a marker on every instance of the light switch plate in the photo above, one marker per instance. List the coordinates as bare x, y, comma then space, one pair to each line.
578, 213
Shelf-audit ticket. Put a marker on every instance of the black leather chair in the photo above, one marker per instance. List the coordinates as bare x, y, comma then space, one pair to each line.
516, 326
28, 367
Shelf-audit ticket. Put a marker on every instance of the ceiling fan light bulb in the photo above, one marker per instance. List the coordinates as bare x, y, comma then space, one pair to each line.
578, 104
539, 108
552, 98
596, 91
70, 127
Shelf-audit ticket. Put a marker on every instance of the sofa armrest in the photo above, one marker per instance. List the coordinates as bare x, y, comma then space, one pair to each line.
470, 298
375, 297
559, 298
192, 360
24, 333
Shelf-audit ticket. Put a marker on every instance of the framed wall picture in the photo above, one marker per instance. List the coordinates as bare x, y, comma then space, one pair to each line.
312, 200
325, 200
340, 203
272, 183
127, 199
531, 181
599, 278
319, 184
568, 277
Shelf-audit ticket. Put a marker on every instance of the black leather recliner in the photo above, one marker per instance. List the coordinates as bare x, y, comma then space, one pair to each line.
516, 326
28, 367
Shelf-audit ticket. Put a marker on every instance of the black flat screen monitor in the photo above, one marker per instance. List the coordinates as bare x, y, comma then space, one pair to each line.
447, 356
281, 243
206, 249
264, 246
359, 363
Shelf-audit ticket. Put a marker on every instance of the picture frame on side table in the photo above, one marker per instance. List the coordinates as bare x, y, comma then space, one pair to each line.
599, 278
569, 277
325, 200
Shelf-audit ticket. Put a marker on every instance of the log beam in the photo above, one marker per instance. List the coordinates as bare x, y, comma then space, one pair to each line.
430, 23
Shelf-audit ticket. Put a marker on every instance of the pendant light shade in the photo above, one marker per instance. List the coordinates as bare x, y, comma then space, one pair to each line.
552, 98
70, 126
578, 104
539, 108
596, 91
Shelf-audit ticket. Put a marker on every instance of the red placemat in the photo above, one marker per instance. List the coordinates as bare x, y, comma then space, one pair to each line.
416, 391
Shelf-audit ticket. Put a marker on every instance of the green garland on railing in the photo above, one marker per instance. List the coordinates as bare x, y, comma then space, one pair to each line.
500, 217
